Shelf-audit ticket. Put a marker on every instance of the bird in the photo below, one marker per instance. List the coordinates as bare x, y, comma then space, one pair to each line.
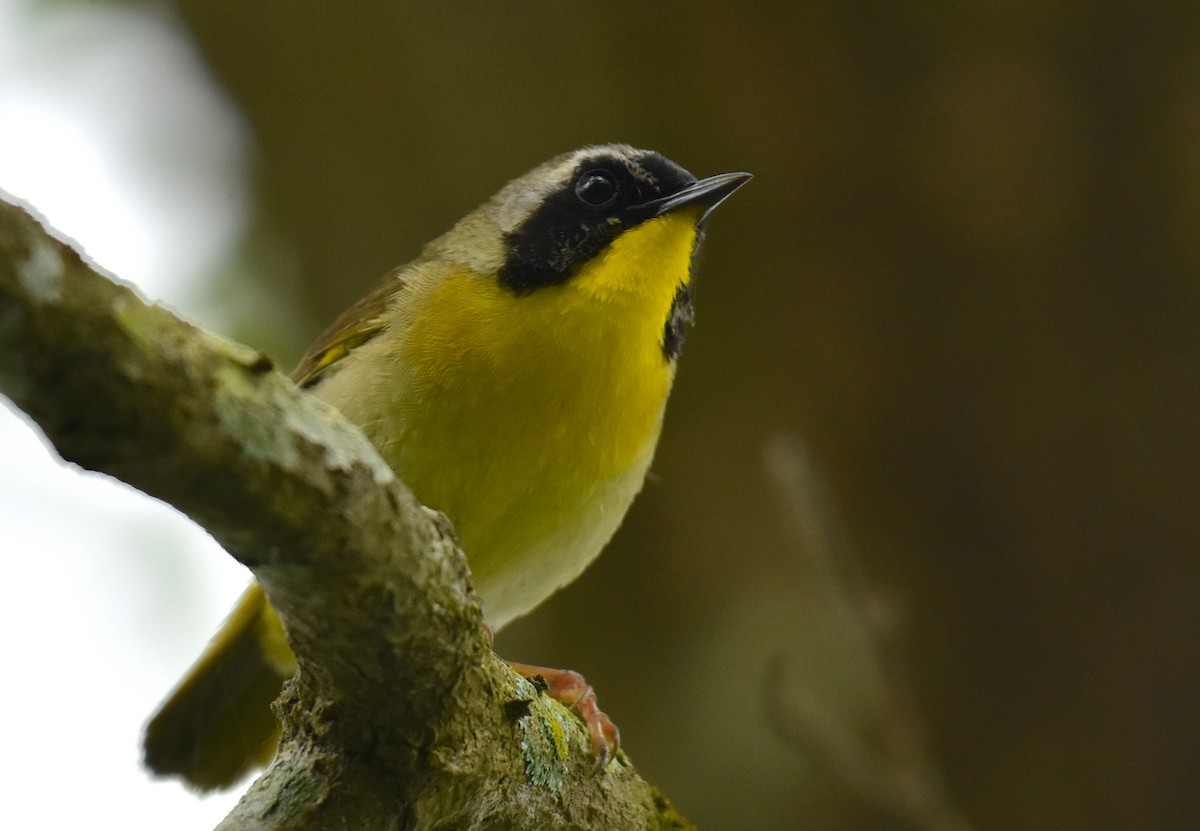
515, 376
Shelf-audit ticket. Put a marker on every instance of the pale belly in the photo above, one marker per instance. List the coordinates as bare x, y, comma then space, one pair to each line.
515, 571
530, 510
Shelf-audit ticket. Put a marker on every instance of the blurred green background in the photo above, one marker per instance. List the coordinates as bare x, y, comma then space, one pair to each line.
966, 275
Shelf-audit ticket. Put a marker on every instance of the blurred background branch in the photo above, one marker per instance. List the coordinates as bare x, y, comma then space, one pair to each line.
887, 760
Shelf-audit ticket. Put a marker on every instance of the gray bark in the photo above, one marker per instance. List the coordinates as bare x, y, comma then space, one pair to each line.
400, 716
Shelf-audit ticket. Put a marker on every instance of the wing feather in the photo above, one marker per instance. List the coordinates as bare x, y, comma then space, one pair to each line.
353, 327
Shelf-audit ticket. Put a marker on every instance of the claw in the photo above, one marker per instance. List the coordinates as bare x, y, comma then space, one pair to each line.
570, 688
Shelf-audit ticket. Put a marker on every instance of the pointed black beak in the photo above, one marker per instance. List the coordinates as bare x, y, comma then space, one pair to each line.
707, 193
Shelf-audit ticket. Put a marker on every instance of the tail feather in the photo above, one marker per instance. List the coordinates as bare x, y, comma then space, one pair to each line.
217, 725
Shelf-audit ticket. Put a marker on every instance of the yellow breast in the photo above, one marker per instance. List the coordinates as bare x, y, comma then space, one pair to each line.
528, 419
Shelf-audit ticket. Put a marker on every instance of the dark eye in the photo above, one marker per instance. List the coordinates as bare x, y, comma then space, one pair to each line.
596, 188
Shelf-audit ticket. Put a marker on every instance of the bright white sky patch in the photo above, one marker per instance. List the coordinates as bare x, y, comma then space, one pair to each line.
47, 136
111, 129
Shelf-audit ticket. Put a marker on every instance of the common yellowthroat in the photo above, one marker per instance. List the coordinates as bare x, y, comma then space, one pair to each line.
514, 375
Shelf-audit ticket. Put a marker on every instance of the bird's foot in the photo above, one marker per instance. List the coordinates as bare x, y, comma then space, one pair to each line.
570, 688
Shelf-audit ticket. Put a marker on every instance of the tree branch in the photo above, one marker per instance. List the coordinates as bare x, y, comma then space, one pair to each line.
400, 716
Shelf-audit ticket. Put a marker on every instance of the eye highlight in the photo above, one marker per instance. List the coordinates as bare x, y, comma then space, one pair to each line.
596, 188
